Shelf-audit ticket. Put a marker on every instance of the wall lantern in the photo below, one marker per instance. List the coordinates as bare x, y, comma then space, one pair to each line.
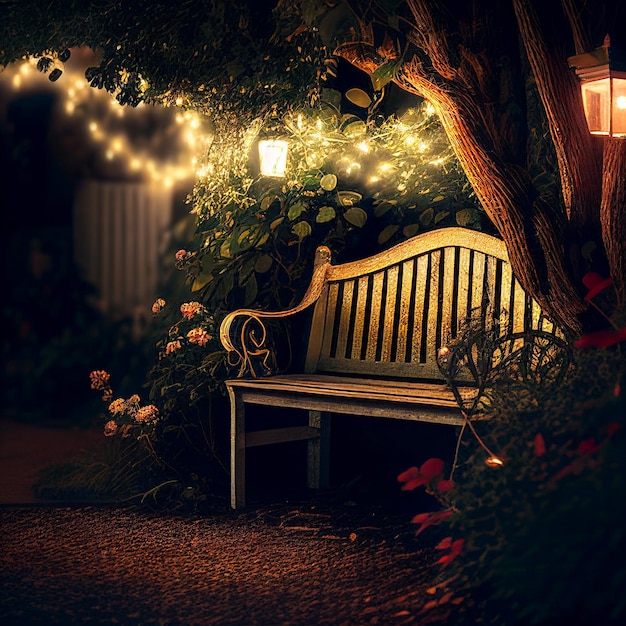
602, 73
273, 157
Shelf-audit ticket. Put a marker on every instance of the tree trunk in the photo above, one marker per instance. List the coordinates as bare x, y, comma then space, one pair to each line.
545, 235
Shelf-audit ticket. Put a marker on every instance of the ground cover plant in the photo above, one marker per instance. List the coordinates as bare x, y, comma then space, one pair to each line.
532, 502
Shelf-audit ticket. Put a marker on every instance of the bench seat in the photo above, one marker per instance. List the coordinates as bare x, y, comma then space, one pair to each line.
376, 330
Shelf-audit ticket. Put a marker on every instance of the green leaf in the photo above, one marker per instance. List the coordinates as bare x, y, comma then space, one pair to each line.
325, 214
201, 280
263, 263
467, 217
266, 202
587, 250
438, 198
277, 222
301, 229
295, 211
328, 182
382, 208
441, 216
427, 216
311, 184
411, 230
245, 271
251, 289
387, 233
385, 73
356, 215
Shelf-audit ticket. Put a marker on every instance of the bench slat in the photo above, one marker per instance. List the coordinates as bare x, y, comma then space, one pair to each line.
376, 328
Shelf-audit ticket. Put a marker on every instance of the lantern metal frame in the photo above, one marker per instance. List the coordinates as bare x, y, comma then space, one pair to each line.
602, 73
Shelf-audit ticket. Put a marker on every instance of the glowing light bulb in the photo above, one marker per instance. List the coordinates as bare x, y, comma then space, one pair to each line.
109, 154
93, 127
430, 109
179, 102
621, 102
17, 81
70, 107
410, 140
364, 147
494, 461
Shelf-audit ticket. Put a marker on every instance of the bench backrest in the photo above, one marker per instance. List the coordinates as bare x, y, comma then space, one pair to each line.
387, 315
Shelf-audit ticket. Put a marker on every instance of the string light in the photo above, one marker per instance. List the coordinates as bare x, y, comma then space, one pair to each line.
117, 142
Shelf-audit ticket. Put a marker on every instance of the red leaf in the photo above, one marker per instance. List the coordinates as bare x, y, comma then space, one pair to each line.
445, 485
411, 479
612, 428
430, 519
595, 284
444, 544
421, 517
431, 469
540, 445
588, 446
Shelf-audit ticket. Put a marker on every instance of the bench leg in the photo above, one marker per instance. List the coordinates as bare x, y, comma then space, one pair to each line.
319, 451
237, 451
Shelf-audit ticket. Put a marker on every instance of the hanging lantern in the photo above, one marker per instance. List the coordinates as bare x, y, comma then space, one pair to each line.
602, 73
273, 157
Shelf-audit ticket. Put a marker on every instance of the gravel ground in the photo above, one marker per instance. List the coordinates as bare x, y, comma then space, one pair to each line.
286, 565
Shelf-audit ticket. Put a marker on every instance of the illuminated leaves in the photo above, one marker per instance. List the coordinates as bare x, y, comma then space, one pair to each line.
325, 214
301, 230
356, 216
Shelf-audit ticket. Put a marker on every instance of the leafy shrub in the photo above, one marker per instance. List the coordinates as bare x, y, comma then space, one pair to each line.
541, 529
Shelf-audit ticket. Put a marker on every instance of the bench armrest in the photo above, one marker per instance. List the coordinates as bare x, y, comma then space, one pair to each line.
247, 340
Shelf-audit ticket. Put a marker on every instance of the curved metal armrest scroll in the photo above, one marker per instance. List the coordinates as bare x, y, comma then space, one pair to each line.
246, 339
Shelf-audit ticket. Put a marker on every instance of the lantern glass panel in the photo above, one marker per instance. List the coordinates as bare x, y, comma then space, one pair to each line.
273, 157
597, 103
619, 107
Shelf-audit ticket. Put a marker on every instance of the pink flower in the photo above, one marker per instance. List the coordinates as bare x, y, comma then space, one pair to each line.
595, 284
455, 548
99, 379
110, 428
181, 255
172, 346
199, 336
430, 519
189, 309
158, 305
147, 413
414, 477
117, 406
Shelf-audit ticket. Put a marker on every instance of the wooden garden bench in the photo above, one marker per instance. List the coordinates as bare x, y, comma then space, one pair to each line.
376, 328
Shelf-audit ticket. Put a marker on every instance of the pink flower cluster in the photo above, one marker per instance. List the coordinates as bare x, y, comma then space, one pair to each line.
199, 336
190, 309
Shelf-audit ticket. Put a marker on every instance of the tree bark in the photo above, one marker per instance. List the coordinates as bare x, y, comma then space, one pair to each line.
613, 214
545, 235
